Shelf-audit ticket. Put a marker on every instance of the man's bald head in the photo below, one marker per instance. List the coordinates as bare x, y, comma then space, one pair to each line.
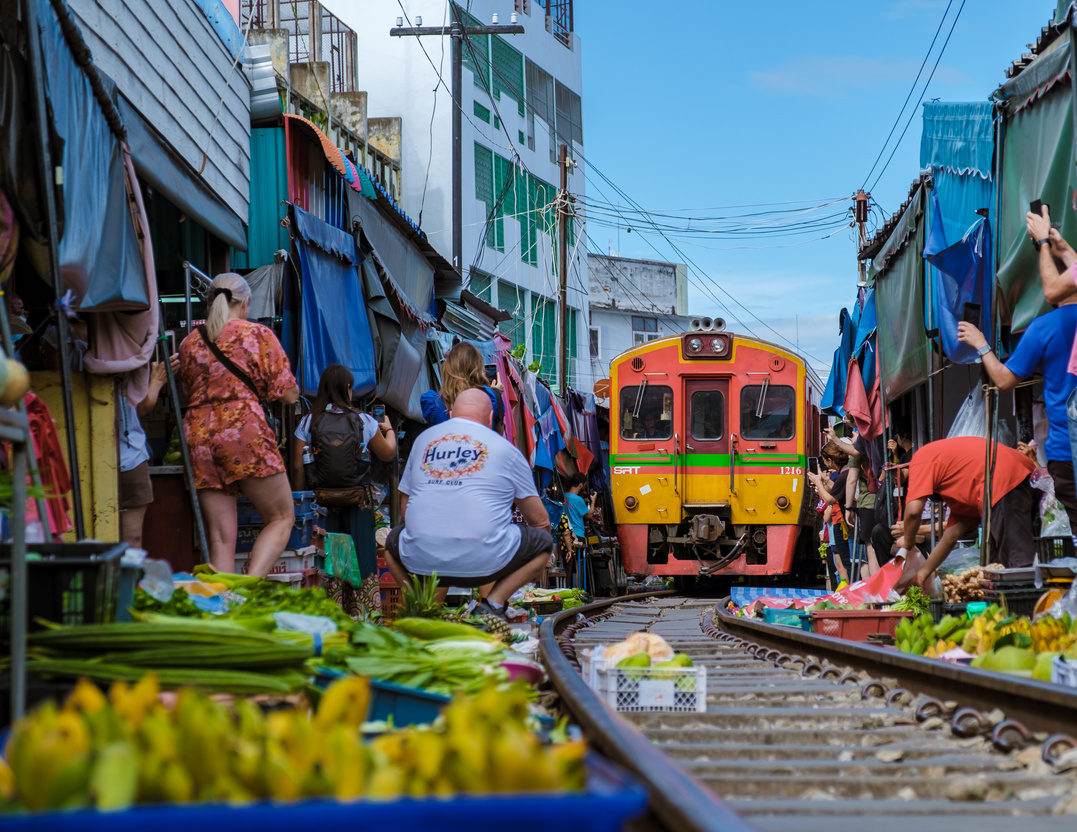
473, 404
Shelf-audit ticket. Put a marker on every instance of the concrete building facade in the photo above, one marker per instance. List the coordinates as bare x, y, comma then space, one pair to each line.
521, 99
631, 302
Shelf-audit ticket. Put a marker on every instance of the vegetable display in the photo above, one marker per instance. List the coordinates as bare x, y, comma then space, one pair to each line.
963, 586
111, 752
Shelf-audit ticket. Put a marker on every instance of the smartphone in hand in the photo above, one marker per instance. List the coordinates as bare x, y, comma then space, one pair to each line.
379, 411
970, 314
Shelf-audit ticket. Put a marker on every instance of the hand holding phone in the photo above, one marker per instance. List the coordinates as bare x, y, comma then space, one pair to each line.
379, 412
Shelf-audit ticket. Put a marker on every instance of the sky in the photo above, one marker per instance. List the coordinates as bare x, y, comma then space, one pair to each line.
694, 107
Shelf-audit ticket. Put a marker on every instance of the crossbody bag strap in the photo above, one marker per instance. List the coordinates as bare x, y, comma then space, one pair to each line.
228, 363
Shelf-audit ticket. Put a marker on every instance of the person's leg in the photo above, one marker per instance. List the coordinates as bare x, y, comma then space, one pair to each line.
219, 514
1065, 489
1011, 527
136, 494
392, 558
528, 573
882, 543
525, 566
131, 525
272, 498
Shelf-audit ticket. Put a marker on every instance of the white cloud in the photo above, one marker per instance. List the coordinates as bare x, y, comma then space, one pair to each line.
835, 76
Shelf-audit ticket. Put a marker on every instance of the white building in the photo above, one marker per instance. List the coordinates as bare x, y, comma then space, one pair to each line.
521, 100
632, 302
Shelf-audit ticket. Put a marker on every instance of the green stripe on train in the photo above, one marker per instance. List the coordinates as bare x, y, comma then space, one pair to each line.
709, 460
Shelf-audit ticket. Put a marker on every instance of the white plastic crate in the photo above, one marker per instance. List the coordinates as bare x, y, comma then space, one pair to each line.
641, 689
293, 560
1064, 672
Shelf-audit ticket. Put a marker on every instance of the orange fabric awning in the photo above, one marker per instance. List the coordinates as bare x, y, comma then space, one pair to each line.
332, 152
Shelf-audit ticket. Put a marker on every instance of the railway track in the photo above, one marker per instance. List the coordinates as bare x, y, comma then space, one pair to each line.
807, 732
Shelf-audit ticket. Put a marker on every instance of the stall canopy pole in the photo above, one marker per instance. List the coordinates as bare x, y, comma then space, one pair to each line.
47, 178
188, 470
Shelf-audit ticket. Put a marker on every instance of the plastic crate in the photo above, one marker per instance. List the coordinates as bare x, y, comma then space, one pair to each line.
542, 607
1053, 548
72, 583
293, 560
299, 539
391, 600
129, 578
1018, 600
610, 799
790, 618
647, 689
1064, 672
247, 515
388, 701
856, 625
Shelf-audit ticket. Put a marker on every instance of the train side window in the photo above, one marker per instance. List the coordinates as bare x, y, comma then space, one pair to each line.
708, 414
767, 411
647, 412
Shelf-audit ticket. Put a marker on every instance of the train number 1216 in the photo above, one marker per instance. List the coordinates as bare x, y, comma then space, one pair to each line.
787, 469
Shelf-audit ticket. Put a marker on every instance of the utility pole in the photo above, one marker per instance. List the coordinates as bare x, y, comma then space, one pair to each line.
457, 31
562, 267
860, 205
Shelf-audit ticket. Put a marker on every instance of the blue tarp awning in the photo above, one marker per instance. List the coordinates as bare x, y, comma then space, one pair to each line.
334, 326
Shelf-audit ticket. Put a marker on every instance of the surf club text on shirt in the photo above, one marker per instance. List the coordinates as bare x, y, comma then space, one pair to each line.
452, 457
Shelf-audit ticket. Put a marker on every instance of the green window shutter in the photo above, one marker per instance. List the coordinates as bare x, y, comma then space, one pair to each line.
480, 285
484, 182
479, 44
512, 299
481, 112
508, 75
544, 337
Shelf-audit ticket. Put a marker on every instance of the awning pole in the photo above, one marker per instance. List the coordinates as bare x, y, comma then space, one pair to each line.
47, 173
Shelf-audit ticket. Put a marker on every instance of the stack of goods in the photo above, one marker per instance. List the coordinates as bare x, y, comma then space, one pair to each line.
962, 587
112, 752
1013, 588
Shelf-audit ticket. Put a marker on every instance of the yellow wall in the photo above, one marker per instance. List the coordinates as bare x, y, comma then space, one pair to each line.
95, 426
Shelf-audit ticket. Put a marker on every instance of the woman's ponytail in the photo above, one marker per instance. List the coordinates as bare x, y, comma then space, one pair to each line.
228, 289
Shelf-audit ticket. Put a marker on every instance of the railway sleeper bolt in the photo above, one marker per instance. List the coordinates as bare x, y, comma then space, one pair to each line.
849, 677
771, 655
1055, 745
761, 652
873, 688
750, 647
810, 666
897, 694
1010, 735
969, 722
830, 672
930, 707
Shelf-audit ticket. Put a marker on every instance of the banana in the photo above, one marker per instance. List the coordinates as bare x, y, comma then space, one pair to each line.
346, 702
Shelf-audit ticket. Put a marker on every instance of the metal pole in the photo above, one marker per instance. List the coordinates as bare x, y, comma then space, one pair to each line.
47, 173
562, 267
19, 584
457, 38
186, 298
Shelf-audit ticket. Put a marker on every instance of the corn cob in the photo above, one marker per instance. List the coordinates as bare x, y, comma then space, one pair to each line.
430, 629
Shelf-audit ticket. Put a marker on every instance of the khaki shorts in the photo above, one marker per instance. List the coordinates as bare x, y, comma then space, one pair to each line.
136, 490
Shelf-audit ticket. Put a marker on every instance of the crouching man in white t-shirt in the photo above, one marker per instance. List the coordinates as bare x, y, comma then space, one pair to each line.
458, 489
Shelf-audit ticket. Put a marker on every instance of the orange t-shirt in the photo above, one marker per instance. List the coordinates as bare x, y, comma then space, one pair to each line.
954, 470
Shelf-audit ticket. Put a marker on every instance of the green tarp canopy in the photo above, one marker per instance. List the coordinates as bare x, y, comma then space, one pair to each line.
1037, 163
903, 346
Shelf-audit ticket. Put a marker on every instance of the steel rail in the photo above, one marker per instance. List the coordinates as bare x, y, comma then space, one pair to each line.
677, 799
1039, 705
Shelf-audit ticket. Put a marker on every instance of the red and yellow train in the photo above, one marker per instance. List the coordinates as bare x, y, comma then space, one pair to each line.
710, 436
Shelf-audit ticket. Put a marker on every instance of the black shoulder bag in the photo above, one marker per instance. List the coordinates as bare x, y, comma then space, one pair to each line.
267, 409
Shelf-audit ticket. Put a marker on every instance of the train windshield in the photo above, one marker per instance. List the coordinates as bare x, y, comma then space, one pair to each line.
708, 415
647, 412
767, 411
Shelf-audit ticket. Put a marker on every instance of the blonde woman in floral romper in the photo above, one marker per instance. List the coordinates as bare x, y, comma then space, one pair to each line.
233, 449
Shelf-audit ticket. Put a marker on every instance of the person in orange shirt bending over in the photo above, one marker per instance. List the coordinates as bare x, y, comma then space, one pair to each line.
952, 470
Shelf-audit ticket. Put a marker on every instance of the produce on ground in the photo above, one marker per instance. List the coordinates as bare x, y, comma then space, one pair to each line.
419, 600
110, 752
963, 586
914, 601
656, 648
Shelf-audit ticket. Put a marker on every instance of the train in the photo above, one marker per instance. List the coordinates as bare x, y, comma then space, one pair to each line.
711, 434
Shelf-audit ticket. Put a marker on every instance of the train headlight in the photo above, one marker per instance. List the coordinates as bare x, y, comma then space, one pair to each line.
718, 346
630, 501
695, 345
782, 502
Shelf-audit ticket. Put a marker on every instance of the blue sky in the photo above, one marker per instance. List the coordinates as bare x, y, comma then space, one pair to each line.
711, 104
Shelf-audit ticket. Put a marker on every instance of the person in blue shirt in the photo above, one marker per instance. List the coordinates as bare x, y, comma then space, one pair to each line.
1044, 347
461, 370
577, 507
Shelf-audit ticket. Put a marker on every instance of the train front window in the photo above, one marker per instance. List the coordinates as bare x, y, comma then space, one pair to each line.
708, 415
647, 412
767, 411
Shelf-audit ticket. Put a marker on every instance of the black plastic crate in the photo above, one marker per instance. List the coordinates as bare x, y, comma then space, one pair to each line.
71, 583
1018, 601
1053, 548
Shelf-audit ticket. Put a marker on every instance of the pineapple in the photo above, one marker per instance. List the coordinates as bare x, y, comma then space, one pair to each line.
419, 597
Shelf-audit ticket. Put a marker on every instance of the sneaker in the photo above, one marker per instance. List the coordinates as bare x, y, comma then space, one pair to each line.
484, 607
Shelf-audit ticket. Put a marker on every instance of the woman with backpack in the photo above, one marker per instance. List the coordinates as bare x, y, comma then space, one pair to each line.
339, 439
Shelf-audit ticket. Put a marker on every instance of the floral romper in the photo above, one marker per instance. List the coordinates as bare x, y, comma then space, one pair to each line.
225, 426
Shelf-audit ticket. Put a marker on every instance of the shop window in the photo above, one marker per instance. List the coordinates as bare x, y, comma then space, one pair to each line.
647, 412
768, 411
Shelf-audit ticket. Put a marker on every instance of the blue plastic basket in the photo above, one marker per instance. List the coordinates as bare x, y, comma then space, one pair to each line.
246, 515
299, 539
610, 799
402, 704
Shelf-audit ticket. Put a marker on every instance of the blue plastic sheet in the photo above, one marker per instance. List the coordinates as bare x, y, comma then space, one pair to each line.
962, 276
334, 326
834, 394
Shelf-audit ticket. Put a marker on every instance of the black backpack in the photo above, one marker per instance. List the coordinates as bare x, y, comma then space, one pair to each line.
341, 458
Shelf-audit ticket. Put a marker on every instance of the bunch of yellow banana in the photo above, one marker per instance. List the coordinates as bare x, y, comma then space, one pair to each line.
1050, 635
126, 748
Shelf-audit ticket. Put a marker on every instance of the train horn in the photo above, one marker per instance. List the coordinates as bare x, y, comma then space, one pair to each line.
706, 324
718, 325
695, 325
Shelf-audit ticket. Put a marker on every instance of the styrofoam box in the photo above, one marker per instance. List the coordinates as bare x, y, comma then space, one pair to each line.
681, 689
1064, 672
293, 560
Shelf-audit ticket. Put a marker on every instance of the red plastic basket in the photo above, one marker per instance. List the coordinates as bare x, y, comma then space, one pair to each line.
391, 602
856, 625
